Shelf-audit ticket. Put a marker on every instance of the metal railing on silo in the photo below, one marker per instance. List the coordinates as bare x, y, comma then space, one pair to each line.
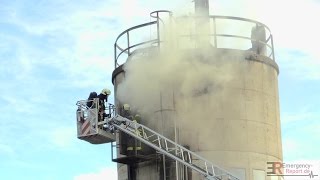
129, 47
268, 42
219, 35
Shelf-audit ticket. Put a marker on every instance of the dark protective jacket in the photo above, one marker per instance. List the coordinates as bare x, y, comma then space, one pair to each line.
90, 99
102, 98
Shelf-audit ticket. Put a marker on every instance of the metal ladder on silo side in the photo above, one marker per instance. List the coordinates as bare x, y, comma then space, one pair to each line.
170, 148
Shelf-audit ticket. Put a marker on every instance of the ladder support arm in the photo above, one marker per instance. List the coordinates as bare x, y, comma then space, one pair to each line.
166, 147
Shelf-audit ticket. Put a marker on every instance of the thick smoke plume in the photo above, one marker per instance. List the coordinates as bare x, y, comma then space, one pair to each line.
186, 78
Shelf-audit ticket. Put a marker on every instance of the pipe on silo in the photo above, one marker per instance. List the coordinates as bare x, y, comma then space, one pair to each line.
202, 23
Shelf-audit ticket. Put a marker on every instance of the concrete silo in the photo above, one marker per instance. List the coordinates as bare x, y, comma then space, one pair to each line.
221, 102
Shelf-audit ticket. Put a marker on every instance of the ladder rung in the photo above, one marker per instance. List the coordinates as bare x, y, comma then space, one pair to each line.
172, 149
150, 136
154, 140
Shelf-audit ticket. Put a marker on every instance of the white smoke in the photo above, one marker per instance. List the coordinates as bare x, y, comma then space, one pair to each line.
184, 74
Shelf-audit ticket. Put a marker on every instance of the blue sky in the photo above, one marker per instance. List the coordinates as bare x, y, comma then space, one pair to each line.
53, 53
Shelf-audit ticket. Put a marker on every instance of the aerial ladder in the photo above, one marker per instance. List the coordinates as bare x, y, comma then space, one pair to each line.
107, 127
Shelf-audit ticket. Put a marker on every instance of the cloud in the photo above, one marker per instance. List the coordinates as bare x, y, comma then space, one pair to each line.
63, 137
105, 173
302, 116
6, 150
289, 144
300, 133
299, 64
77, 43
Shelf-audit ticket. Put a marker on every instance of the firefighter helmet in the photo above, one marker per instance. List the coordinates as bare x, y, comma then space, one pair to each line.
105, 91
137, 117
126, 107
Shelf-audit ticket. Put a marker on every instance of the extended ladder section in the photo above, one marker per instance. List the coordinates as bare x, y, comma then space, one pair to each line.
170, 148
